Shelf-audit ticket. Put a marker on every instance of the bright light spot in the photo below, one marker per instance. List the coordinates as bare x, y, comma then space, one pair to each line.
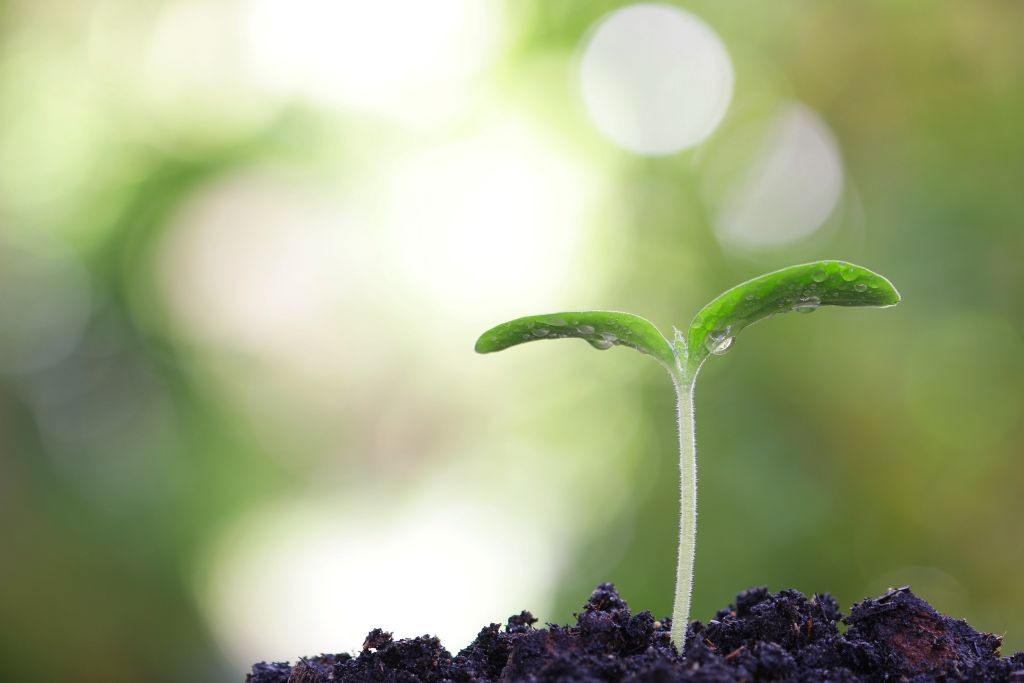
656, 79
176, 73
370, 54
45, 304
789, 190
255, 263
306, 578
491, 220
52, 130
272, 284
193, 48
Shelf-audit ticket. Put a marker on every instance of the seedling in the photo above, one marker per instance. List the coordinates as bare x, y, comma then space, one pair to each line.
802, 289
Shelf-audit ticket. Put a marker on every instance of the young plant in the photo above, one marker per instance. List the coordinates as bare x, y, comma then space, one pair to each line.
803, 289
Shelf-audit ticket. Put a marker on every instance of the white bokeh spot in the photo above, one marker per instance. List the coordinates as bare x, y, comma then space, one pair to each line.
255, 262
305, 576
497, 218
789, 190
655, 79
370, 55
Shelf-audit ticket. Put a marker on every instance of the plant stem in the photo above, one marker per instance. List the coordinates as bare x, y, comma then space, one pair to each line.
684, 383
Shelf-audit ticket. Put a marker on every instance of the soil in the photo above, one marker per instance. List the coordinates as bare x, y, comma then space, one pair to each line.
765, 636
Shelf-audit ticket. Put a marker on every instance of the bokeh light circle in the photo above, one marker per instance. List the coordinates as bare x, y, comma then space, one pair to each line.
311, 575
789, 190
490, 219
655, 79
379, 56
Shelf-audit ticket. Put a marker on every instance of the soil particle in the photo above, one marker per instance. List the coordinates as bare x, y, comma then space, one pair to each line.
764, 636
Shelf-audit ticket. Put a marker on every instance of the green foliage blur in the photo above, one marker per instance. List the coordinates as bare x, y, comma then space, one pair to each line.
233, 284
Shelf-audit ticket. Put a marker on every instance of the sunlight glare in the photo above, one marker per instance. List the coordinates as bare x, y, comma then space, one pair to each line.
493, 219
369, 54
306, 577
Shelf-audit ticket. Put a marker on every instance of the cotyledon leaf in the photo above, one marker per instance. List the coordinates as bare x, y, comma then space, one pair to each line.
802, 288
601, 329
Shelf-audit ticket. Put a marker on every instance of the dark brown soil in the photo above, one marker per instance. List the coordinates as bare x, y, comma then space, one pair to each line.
763, 637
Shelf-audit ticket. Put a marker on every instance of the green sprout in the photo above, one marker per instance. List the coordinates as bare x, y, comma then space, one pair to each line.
803, 289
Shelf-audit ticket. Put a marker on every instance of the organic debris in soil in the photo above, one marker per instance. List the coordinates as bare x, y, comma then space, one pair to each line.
765, 636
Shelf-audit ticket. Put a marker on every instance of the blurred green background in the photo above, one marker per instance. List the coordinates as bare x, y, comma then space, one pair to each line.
246, 247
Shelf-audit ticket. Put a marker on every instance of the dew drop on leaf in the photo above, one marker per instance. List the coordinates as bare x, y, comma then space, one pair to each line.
819, 276
860, 286
585, 329
720, 343
601, 344
540, 332
807, 305
849, 275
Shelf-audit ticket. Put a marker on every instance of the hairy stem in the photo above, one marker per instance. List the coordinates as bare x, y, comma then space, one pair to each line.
684, 383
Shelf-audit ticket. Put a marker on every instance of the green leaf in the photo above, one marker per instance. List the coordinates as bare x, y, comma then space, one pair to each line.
802, 289
601, 329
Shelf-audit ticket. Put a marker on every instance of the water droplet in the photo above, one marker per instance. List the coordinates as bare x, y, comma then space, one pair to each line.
557, 322
719, 343
860, 286
819, 275
601, 344
608, 336
873, 285
807, 305
585, 329
540, 332
849, 275
722, 346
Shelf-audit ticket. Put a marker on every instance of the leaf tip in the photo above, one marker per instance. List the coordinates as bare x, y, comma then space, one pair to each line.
484, 344
887, 293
